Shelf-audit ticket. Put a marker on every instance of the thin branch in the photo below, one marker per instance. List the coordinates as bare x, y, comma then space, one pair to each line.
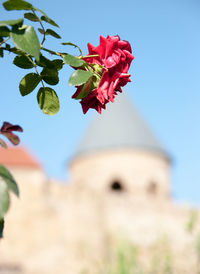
40, 21
4, 41
53, 52
35, 66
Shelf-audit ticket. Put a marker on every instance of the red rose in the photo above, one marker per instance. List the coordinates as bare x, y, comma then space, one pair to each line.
110, 65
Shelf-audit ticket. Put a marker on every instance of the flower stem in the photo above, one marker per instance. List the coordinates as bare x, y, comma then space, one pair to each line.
90, 56
95, 72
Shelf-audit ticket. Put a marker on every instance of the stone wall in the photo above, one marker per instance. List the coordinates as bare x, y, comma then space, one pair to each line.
71, 228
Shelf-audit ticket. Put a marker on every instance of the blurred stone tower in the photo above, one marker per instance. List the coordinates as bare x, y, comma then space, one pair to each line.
119, 185
119, 153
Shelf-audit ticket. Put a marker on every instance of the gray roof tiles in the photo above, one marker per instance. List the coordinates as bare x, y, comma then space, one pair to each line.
119, 126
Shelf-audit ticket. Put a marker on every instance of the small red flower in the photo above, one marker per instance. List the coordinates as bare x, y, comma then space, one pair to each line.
111, 61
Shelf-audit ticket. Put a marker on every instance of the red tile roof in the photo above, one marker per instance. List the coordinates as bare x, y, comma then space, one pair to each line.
18, 157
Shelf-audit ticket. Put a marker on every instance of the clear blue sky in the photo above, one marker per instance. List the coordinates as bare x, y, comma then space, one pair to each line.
165, 37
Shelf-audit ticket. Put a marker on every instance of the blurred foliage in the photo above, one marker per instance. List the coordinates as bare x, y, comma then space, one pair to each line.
125, 257
128, 260
160, 258
192, 221
7, 182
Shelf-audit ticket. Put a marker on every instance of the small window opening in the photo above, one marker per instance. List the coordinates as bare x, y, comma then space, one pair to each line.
116, 186
152, 188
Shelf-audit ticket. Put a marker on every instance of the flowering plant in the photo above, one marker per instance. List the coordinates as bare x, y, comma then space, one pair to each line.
109, 62
97, 77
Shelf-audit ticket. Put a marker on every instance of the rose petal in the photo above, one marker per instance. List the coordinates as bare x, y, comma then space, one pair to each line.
114, 55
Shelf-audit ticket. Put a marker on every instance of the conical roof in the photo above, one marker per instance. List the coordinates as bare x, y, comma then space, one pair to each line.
119, 126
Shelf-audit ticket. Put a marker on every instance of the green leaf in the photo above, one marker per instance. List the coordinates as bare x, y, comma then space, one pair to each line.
23, 61
41, 31
17, 5
48, 101
44, 62
52, 64
79, 77
4, 31
49, 32
1, 53
52, 33
1, 50
85, 90
9, 180
32, 17
58, 64
26, 39
73, 61
71, 44
4, 199
12, 22
16, 51
49, 20
50, 76
8, 47
36, 9
28, 83
1, 227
